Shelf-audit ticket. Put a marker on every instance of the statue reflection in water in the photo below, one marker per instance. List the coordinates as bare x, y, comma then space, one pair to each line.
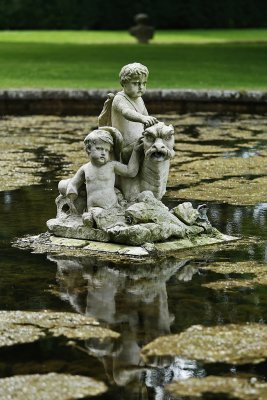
132, 300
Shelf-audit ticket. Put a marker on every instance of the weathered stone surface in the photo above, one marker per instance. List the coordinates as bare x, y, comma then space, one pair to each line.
235, 344
46, 243
117, 248
135, 215
201, 240
154, 161
186, 213
50, 386
88, 102
68, 242
147, 220
73, 227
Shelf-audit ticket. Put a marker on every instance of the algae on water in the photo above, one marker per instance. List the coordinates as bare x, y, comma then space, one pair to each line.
36, 145
257, 274
26, 327
235, 344
218, 158
219, 385
50, 386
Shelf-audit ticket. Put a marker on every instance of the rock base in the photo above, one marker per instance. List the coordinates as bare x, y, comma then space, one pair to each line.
46, 243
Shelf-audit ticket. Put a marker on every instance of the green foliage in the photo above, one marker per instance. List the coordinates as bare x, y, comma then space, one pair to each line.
118, 14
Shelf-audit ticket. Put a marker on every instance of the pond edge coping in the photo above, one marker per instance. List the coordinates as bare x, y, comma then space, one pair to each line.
90, 101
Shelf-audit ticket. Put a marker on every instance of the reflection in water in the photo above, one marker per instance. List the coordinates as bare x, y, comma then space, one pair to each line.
260, 214
140, 302
134, 302
243, 153
7, 199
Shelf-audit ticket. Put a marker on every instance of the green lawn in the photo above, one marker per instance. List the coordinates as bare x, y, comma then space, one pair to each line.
223, 59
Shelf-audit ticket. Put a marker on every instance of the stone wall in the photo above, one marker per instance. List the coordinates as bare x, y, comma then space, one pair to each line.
90, 102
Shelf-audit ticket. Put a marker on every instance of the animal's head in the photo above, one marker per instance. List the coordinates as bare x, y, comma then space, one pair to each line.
158, 141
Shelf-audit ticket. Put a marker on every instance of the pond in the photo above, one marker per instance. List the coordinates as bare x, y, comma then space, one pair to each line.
220, 160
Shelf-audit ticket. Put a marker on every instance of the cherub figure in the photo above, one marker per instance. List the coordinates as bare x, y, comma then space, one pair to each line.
128, 112
99, 173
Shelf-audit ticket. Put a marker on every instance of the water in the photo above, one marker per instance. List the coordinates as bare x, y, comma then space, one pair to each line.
141, 303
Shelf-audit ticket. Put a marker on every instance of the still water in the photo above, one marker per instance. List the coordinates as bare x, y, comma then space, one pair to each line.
140, 302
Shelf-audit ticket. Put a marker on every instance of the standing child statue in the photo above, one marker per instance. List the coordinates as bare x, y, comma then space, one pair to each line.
126, 111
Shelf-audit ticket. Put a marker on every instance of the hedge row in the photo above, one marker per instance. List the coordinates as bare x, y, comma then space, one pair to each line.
118, 14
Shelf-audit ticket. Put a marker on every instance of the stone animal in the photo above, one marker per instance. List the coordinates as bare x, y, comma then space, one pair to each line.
158, 143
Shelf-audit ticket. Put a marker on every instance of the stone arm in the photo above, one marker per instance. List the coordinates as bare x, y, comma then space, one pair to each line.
133, 115
75, 183
130, 170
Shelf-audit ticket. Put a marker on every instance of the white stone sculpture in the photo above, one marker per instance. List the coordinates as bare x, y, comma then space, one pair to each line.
116, 196
126, 111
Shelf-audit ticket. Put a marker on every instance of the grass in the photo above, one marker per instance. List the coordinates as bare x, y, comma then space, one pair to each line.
212, 59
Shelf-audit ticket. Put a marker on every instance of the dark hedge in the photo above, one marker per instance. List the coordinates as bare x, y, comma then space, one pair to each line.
118, 14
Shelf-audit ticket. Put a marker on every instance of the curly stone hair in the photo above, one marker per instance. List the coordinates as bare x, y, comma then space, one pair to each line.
96, 136
134, 70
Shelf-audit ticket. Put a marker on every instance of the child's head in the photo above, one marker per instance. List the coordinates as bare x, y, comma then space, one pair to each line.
133, 78
99, 144
133, 71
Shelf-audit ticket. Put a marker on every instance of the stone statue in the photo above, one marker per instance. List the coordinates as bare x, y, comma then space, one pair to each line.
116, 196
142, 30
157, 150
99, 173
126, 111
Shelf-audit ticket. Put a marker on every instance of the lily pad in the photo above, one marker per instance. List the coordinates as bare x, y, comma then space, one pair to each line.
235, 344
235, 387
26, 327
50, 386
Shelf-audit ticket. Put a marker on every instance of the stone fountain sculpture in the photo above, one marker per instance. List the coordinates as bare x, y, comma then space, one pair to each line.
116, 196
